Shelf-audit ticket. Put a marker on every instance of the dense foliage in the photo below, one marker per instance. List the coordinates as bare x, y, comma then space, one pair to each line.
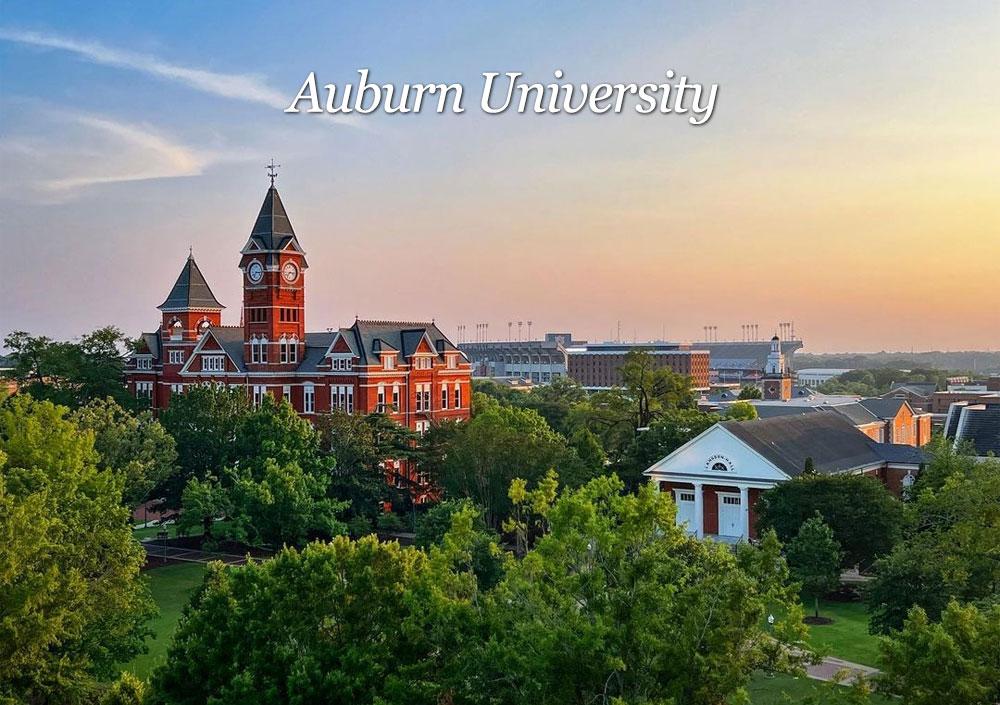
951, 551
71, 373
72, 603
613, 603
814, 559
866, 519
136, 447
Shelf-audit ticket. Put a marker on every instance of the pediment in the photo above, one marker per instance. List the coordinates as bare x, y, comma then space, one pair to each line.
717, 455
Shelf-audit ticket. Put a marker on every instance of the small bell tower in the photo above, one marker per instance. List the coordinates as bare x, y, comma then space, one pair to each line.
777, 380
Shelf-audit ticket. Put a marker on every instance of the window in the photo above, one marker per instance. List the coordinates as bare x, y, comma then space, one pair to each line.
423, 427
176, 357
342, 397
341, 364
395, 397
720, 467
380, 404
213, 363
444, 396
288, 315
259, 390
452, 362
286, 392
144, 363
685, 496
458, 396
144, 390
308, 399
258, 350
731, 500
389, 362
176, 330
176, 389
422, 363
258, 315
424, 396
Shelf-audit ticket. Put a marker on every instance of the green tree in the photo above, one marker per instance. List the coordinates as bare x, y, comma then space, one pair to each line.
814, 559
342, 622
866, 519
751, 392
204, 422
954, 661
484, 558
127, 690
654, 389
72, 603
136, 447
588, 448
673, 429
362, 444
71, 373
741, 411
615, 603
952, 550
499, 443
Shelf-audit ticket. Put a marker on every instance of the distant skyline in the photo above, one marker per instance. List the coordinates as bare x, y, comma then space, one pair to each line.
847, 181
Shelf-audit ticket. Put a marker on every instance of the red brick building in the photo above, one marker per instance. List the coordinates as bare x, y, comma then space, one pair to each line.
408, 370
598, 365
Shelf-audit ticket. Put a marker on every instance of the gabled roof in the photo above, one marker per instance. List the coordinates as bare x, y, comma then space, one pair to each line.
368, 338
833, 443
272, 231
190, 291
857, 413
883, 408
924, 389
980, 426
152, 343
229, 338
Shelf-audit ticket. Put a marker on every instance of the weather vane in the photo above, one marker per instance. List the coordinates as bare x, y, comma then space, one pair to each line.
272, 170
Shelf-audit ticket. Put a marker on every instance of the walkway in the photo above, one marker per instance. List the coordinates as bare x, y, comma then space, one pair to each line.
830, 666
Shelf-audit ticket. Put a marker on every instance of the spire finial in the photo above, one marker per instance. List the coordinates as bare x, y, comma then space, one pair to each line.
272, 171
190, 251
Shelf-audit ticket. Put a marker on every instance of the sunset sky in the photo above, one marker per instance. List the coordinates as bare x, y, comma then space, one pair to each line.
849, 180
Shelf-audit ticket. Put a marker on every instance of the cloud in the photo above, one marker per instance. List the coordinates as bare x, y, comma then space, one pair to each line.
245, 87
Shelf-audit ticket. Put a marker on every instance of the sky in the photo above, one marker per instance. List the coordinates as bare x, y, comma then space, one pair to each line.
849, 179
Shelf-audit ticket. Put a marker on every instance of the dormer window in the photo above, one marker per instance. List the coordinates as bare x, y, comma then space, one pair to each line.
144, 363
422, 363
389, 362
213, 363
341, 364
203, 325
176, 330
452, 362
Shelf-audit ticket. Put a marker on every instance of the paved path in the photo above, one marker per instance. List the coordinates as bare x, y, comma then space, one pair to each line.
190, 555
828, 669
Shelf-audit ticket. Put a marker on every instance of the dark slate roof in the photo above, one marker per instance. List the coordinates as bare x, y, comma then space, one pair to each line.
367, 338
272, 231
316, 346
771, 411
190, 290
900, 454
832, 441
152, 341
231, 340
951, 420
857, 413
924, 389
981, 427
883, 408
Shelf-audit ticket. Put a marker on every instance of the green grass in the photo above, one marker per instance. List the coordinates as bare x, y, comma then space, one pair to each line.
782, 690
151, 531
848, 636
172, 587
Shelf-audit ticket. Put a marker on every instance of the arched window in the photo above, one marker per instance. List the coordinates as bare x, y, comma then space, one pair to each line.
282, 349
293, 349
203, 325
263, 349
176, 329
720, 467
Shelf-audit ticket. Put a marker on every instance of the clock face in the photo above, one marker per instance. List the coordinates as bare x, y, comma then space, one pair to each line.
290, 272
255, 272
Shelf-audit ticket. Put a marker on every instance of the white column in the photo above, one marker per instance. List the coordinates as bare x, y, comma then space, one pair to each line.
745, 509
699, 511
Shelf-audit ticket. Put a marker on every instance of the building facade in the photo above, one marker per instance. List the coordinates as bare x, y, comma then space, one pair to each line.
598, 365
717, 477
408, 370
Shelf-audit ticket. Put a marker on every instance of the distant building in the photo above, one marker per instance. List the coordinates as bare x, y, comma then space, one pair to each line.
539, 361
7, 384
598, 365
940, 402
815, 376
977, 424
918, 394
717, 478
777, 379
743, 362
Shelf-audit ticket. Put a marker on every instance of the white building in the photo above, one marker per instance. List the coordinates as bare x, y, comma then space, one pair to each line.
814, 376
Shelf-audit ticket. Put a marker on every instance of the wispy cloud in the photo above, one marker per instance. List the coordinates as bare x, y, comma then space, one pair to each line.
243, 87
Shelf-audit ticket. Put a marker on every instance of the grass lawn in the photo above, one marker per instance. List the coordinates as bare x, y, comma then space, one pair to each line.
782, 690
172, 587
848, 636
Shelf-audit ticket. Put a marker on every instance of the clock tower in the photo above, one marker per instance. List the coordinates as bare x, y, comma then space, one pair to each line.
273, 265
777, 380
